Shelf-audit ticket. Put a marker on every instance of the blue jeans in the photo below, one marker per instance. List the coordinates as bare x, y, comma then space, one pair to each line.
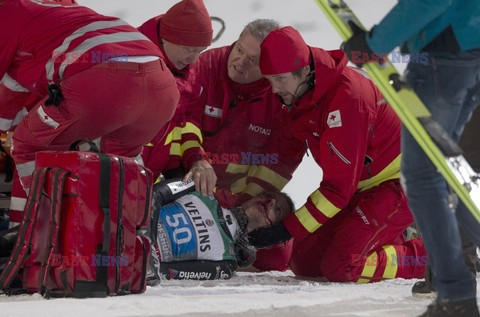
449, 85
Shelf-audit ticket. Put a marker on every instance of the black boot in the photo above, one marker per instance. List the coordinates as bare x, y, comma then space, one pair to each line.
7, 241
461, 308
469, 254
425, 288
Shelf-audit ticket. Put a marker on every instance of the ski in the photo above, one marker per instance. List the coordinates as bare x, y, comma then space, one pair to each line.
445, 154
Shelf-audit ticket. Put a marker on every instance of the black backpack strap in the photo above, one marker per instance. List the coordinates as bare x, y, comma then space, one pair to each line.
93, 146
59, 177
104, 200
22, 246
99, 288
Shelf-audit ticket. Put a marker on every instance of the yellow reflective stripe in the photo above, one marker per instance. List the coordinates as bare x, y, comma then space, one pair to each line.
261, 172
177, 149
149, 144
177, 132
369, 268
174, 135
239, 185
190, 144
192, 128
270, 176
253, 189
392, 171
307, 220
391, 267
237, 168
323, 204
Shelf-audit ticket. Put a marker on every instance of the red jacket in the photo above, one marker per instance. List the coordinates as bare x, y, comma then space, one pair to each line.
13, 102
165, 151
352, 133
35, 52
239, 128
244, 132
16, 100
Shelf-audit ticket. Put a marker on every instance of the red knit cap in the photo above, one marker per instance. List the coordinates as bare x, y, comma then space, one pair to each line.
187, 23
283, 51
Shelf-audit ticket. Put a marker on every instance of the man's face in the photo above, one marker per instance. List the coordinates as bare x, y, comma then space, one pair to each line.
243, 60
263, 210
182, 56
287, 86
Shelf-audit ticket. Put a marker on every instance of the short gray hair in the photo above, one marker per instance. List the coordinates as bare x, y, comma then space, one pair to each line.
260, 28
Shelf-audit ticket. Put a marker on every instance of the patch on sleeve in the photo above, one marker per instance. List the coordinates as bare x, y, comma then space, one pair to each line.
46, 118
334, 119
213, 111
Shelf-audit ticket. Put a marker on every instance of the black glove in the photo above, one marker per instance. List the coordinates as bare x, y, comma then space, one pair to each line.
356, 48
269, 236
170, 189
245, 252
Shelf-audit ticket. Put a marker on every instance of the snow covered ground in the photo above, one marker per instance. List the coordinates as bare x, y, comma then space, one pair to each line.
247, 294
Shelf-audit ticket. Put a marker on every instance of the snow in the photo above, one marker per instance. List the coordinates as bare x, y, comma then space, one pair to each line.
247, 294
265, 294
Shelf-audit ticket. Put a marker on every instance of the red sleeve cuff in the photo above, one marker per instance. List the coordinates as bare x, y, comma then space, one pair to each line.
192, 155
296, 229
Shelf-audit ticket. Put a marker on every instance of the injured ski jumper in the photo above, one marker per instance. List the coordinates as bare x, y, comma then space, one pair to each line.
194, 238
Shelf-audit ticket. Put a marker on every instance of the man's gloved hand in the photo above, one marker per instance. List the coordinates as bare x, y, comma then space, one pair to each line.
356, 48
269, 236
245, 252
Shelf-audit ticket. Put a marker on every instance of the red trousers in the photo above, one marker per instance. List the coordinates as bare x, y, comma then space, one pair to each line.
364, 241
123, 104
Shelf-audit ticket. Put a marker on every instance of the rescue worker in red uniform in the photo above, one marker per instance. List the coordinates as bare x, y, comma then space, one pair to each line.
98, 76
182, 33
237, 116
237, 125
350, 229
14, 96
242, 125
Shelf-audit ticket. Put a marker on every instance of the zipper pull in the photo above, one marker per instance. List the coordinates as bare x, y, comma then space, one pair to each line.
368, 160
306, 148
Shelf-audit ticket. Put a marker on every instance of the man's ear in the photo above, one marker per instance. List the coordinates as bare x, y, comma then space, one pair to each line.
306, 70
